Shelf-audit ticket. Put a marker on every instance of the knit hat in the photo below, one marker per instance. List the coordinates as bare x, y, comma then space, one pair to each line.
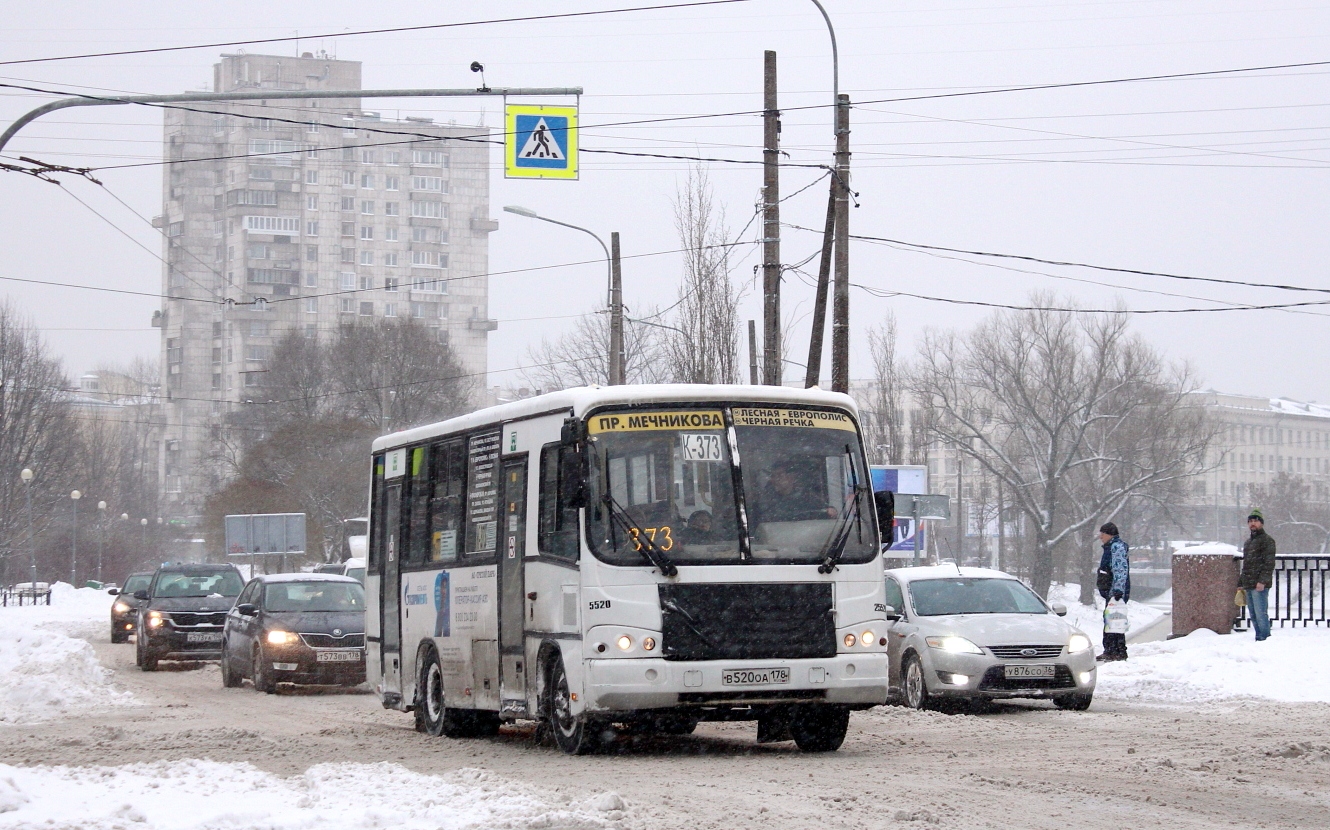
1256, 514
1109, 528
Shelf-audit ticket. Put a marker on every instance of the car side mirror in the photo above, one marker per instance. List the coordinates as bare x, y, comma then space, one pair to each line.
247, 609
140, 595
1059, 609
115, 592
892, 614
885, 504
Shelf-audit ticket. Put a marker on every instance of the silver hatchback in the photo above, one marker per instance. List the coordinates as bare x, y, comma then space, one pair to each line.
978, 634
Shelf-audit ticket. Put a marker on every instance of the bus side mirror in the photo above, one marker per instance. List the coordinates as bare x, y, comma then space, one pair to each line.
572, 466
885, 503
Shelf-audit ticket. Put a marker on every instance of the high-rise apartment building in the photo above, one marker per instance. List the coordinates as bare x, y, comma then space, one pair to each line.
304, 215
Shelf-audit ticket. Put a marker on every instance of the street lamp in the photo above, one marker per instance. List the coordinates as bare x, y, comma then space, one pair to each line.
26, 475
143, 534
74, 540
617, 369
101, 536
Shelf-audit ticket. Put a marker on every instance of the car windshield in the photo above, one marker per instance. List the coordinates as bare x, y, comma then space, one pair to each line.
175, 584
357, 574
662, 478
973, 595
805, 485
136, 583
313, 596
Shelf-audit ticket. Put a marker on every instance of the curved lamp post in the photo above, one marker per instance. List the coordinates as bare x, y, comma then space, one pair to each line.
101, 536
26, 476
74, 540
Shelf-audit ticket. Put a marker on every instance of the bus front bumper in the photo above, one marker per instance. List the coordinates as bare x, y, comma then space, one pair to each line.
628, 684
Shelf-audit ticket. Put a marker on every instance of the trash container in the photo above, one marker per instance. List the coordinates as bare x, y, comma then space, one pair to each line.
1205, 578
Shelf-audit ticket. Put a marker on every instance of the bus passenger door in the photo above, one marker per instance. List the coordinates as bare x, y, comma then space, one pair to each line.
512, 591
391, 596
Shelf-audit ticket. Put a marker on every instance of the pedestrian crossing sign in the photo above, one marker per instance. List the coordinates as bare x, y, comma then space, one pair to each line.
540, 142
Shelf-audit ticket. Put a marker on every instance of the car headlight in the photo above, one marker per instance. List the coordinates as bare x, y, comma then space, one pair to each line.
120, 608
281, 638
955, 645
1078, 643
154, 619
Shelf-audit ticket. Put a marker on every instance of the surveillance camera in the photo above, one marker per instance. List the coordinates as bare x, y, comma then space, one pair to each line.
477, 67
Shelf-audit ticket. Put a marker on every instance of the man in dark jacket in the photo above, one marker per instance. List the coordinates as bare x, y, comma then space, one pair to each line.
1114, 581
1258, 571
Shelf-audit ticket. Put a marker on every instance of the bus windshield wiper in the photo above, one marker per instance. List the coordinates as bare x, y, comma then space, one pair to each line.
646, 545
834, 549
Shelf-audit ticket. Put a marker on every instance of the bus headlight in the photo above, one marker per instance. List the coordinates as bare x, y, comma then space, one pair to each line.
649, 643
867, 638
624, 642
850, 640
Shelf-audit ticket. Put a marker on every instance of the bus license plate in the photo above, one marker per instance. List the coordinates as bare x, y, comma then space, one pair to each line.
339, 656
754, 677
1013, 672
203, 637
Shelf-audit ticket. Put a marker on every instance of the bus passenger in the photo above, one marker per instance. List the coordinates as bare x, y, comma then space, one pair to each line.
698, 530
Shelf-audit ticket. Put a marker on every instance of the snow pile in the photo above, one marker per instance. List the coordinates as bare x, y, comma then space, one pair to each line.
180, 795
1090, 618
1293, 665
47, 666
1208, 549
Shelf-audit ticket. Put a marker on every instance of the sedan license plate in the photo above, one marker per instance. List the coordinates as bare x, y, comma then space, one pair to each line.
339, 656
754, 677
1016, 672
203, 637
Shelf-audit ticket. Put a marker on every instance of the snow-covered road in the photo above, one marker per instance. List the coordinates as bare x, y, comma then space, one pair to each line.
1166, 744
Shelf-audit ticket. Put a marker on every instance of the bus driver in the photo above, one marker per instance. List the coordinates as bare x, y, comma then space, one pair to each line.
783, 500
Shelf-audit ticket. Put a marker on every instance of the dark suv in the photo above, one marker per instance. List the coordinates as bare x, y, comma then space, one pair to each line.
184, 611
125, 609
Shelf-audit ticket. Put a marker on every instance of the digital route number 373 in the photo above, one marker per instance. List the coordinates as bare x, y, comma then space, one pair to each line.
664, 532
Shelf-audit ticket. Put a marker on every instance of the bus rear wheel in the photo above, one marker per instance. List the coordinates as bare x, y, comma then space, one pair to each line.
575, 735
819, 728
433, 717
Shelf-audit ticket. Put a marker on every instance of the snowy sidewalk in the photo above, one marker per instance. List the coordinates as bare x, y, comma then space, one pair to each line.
47, 666
182, 795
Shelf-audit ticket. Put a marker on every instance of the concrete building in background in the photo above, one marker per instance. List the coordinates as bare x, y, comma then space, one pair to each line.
304, 215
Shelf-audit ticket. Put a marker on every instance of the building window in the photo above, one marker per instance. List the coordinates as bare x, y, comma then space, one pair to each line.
347, 282
312, 227
430, 183
390, 259
429, 210
348, 203
349, 255
311, 203
389, 310
312, 127
367, 309
425, 311
346, 306
311, 177
393, 157
366, 231
266, 198
348, 178
366, 257
425, 259
348, 229
367, 207
311, 305
366, 283
390, 234
424, 235
391, 209
434, 158
390, 284
389, 182
311, 279
272, 224
367, 180
366, 157
311, 330
433, 286
311, 253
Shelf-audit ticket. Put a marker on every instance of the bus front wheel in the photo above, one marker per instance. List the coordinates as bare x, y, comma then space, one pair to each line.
575, 735
819, 728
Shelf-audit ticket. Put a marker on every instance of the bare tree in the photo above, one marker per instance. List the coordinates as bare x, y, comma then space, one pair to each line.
580, 357
1073, 415
1301, 525
884, 430
396, 375
703, 345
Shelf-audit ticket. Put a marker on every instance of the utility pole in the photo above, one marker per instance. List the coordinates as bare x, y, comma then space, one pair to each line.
772, 365
840, 322
618, 372
814, 373
752, 353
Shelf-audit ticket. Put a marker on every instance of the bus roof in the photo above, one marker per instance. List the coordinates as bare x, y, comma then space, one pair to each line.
582, 399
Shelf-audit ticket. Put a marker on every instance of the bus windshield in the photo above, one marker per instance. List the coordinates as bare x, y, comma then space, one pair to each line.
665, 479
805, 485
666, 476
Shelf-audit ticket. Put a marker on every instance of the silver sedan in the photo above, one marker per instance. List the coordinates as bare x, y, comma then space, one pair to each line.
976, 634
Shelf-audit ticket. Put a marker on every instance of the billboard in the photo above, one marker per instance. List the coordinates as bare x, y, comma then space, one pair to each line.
898, 479
265, 533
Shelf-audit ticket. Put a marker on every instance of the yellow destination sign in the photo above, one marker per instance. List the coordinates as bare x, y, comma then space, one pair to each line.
784, 417
642, 421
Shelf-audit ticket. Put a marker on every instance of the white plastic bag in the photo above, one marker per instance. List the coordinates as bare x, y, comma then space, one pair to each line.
1115, 617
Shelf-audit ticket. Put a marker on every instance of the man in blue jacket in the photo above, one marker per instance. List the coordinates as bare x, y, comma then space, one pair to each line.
1114, 580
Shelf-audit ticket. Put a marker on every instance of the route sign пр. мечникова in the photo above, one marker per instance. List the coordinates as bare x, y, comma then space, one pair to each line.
539, 142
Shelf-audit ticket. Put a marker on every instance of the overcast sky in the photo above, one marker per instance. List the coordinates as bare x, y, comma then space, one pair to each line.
1223, 176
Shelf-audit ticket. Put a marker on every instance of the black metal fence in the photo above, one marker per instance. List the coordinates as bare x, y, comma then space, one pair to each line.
1297, 596
24, 595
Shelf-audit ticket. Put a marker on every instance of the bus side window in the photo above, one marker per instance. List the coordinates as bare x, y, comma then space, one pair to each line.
449, 480
558, 522
415, 504
374, 565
